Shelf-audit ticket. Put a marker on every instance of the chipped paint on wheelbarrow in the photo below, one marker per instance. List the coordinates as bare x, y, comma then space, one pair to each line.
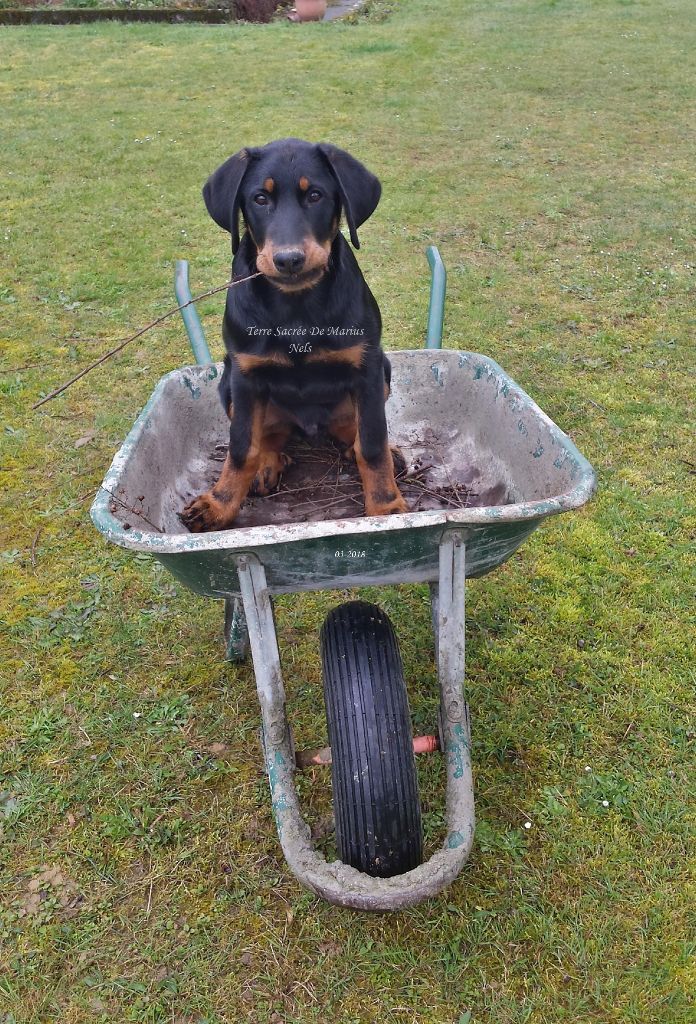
462, 401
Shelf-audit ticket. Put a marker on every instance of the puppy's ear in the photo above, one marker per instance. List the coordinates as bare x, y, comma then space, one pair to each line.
358, 188
221, 193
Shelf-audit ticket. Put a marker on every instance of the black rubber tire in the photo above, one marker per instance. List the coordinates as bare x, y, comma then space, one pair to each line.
373, 771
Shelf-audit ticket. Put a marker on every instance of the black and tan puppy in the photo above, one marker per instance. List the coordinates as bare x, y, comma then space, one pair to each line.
303, 340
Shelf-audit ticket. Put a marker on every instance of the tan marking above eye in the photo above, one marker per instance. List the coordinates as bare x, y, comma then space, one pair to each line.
269, 184
304, 183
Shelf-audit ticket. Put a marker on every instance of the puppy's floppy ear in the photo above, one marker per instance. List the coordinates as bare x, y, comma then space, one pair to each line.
359, 188
221, 193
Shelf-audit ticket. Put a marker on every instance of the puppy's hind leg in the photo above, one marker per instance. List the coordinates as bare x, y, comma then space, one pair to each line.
272, 460
375, 458
343, 425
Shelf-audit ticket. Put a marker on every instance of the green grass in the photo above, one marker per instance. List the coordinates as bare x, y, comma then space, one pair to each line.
545, 147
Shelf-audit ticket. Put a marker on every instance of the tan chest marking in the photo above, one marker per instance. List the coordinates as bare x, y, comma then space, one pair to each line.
353, 355
247, 362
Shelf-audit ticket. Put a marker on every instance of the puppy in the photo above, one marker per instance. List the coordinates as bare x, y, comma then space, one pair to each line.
303, 340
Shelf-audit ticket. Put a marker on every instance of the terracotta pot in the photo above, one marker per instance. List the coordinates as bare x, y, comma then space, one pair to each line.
310, 10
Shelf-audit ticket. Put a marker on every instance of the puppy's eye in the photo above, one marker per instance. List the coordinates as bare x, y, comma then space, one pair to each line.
261, 199
314, 196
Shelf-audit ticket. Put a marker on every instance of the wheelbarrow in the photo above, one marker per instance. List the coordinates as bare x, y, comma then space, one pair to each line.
525, 469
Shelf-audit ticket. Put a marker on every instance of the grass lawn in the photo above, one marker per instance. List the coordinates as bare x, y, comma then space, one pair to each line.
545, 147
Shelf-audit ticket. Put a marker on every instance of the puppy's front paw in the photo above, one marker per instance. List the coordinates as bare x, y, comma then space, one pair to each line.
206, 513
378, 506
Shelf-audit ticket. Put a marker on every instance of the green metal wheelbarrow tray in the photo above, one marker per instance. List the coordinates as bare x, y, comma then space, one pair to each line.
517, 456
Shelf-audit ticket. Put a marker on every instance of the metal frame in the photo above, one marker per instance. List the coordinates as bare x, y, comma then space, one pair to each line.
338, 882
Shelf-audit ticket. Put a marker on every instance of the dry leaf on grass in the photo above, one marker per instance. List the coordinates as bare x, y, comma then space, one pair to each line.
85, 439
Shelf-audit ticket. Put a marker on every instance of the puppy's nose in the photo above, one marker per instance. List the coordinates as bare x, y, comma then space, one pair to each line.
289, 261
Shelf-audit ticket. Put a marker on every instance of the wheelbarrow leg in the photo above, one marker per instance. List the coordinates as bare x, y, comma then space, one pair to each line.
434, 615
258, 613
448, 599
235, 630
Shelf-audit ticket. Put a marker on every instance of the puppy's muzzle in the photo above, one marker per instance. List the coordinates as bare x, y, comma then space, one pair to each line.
293, 268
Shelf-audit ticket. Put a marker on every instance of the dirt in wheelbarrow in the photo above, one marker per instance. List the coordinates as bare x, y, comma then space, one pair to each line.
323, 483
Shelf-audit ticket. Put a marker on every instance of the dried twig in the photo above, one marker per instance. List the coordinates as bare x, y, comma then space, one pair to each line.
33, 545
322, 506
78, 501
305, 499
17, 369
455, 499
204, 295
132, 510
296, 490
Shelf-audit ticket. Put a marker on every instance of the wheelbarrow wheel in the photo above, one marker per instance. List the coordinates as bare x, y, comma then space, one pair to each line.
375, 786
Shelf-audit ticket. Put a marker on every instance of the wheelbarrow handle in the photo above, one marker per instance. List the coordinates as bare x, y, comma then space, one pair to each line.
436, 307
192, 323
